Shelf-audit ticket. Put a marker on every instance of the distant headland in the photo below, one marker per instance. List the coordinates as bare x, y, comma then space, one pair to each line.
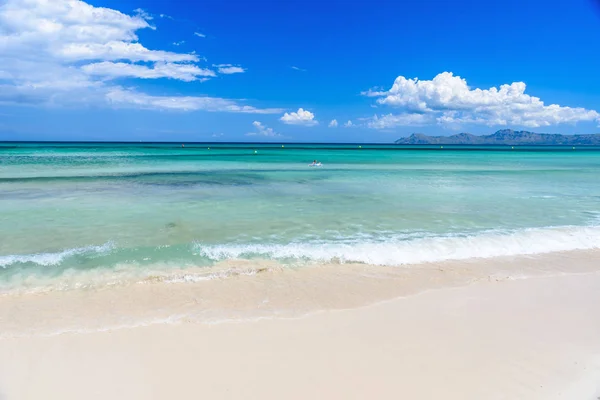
504, 137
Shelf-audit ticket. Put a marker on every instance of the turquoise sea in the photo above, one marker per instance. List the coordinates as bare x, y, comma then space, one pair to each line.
123, 210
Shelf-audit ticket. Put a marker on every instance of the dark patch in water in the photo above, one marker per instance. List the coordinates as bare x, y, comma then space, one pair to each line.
215, 177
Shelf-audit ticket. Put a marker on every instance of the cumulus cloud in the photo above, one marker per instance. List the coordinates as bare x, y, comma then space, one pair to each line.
202, 35
333, 123
69, 52
262, 130
228, 69
71, 30
448, 99
300, 117
348, 124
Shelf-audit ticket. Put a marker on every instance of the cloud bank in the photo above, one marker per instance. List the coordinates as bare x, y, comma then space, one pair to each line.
68, 52
448, 100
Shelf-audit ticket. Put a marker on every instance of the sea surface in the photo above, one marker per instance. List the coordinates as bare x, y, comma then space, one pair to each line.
83, 214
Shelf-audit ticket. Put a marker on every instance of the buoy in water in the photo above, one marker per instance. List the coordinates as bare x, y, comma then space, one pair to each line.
255, 152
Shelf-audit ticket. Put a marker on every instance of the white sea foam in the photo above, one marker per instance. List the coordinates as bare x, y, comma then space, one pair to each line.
194, 278
48, 259
395, 250
430, 249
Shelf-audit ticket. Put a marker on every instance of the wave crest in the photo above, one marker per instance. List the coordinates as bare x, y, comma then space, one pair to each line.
48, 259
415, 251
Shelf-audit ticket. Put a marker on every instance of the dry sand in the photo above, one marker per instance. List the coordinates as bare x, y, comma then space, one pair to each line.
535, 338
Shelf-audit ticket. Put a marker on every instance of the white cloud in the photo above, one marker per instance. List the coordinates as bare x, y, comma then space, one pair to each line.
184, 72
449, 100
118, 50
262, 130
228, 69
404, 119
66, 52
74, 30
142, 14
202, 35
348, 124
333, 123
131, 98
297, 68
179, 43
231, 70
300, 117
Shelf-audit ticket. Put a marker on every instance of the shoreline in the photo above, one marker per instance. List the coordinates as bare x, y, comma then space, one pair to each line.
536, 338
248, 291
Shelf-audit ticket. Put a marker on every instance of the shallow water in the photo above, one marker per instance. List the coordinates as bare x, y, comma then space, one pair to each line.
74, 211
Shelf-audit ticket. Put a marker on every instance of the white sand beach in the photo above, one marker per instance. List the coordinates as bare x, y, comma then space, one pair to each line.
536, 338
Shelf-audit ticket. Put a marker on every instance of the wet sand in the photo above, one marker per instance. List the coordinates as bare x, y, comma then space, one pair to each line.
244, 290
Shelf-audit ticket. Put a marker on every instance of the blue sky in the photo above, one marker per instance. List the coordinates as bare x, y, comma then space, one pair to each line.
223, 70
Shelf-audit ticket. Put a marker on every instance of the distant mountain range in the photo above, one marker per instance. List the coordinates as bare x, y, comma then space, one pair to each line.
505, 137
